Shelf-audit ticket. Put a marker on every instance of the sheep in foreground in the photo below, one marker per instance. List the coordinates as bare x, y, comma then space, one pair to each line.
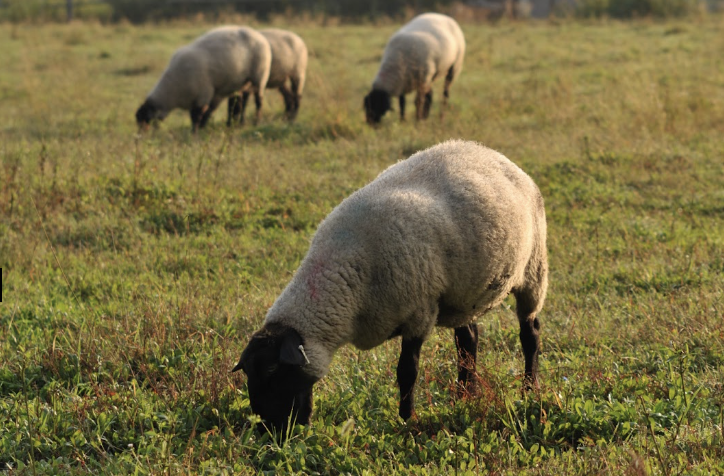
430, 45
434, 240
289, 63
205, 72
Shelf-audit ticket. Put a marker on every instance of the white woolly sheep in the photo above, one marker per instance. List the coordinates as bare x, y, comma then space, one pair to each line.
202, 74
430, 45
289, 63
434, 240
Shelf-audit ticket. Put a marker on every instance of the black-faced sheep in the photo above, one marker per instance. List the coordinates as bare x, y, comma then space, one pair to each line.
289, 64
434, 240
202, 74
430, 45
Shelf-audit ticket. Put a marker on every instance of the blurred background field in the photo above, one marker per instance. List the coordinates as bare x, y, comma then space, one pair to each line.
135, 267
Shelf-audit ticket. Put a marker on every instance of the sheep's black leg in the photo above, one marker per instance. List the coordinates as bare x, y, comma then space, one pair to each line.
402, 107
196, 114
448, 82
209, 110
407, 369
427, 104
288, 101
296, 96
297, 99
233, 110
466, 341
446, 91
418, 105
529, 337
257, 103
242, 107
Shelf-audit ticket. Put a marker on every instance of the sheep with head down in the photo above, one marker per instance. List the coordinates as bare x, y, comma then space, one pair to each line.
429, 46
202, 74
287, 74
435, 240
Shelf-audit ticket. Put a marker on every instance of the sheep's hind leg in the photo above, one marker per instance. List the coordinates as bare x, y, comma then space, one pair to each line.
257, 103
288, 102
426, 106
402, 107
296, 97
407, 369
529, 336
466, 342
233, 110
446, 91
418, 105
239, 108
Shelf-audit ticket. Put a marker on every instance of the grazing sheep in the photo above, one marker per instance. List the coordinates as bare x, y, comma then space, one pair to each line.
202, 74
430, 45
289, 63
434, 240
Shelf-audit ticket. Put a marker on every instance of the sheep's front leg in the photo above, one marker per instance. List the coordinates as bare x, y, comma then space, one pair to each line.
209, 110
466, 341
402, 107
407, 369
197, 114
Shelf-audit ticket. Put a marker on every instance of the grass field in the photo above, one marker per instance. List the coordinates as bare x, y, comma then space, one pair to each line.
135, 268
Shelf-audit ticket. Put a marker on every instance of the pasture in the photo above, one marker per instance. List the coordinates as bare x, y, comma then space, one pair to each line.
135, 267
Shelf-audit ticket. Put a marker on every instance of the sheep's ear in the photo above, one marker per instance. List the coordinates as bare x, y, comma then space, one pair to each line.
258, 344
292, 350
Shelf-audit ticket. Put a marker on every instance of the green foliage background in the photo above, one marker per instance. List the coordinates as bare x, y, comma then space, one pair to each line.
135, 267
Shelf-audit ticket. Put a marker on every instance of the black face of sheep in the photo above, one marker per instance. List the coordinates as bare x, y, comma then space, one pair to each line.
146, 114
376, 104
279, 389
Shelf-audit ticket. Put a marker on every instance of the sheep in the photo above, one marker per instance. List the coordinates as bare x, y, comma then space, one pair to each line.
200, 75
289, 62
435, 240
430, 45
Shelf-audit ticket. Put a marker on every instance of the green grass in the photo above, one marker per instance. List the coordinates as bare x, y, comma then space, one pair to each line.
135, 268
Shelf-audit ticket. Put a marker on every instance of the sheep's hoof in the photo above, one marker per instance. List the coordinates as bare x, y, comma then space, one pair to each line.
407, 413
530, 384
465, 390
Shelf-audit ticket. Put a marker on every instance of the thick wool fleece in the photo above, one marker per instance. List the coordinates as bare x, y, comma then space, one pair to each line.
435, 240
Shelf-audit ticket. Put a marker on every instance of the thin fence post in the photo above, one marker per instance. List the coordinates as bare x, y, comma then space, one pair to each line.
69, 9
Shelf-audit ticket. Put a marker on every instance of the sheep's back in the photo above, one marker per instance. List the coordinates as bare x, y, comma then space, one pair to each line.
182, 80
418, 52
453, 226
289, 56
234, 56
